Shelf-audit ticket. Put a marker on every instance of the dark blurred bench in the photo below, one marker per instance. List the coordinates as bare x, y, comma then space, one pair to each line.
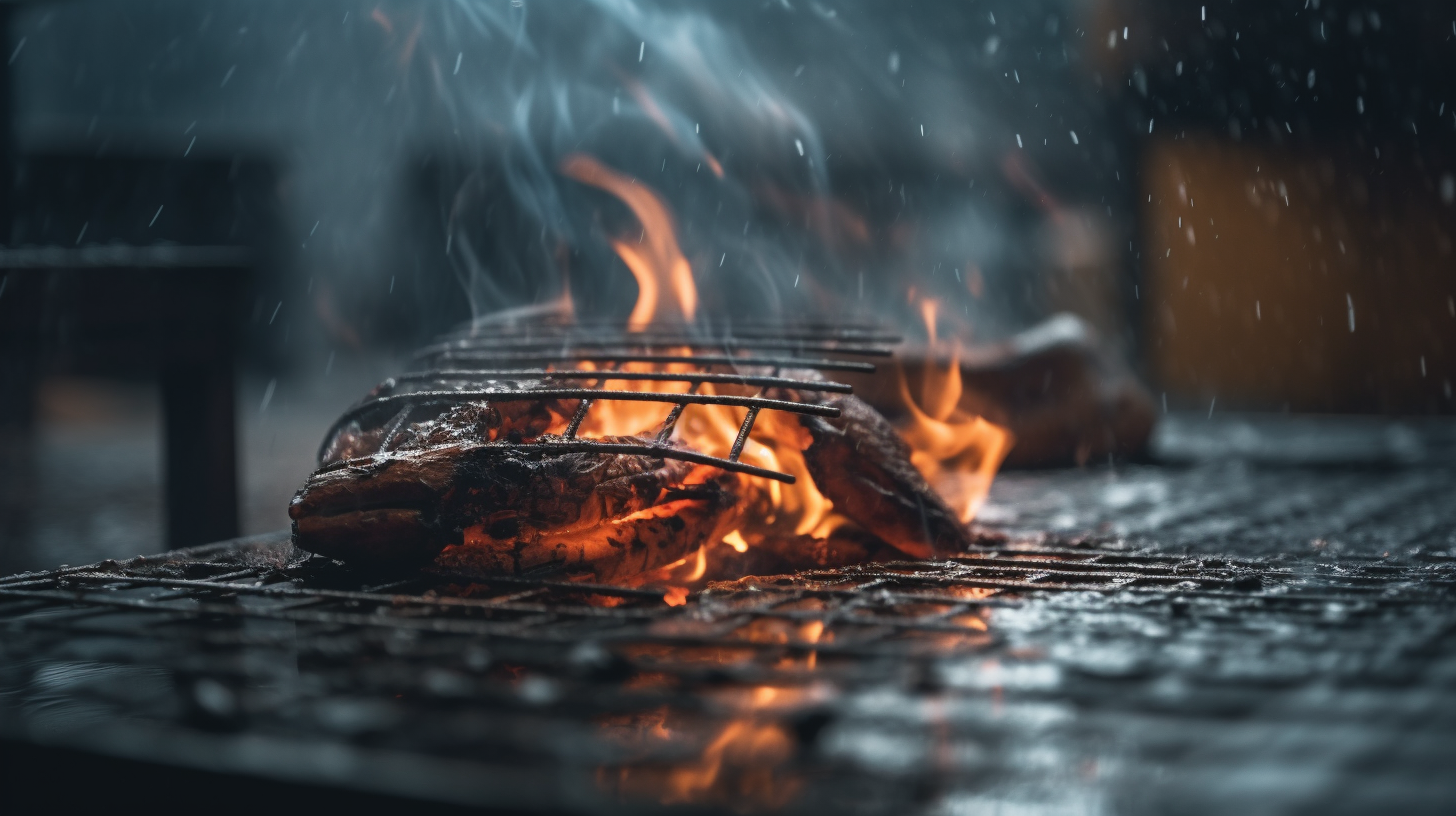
135, 268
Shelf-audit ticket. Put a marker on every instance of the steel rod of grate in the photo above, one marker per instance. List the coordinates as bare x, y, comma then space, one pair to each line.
557, 448
743, 432
577, 418
526, 395
703, 326
646, 376
672, 417
609, 343
670, 423
725, 335
699, 359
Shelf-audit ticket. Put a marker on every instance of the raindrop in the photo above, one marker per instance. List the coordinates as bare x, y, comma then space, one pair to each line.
1074, 137
1309, 80
460, 57
641, 50
894, 62
268, 395
1350, 306
155, 216
1018, 141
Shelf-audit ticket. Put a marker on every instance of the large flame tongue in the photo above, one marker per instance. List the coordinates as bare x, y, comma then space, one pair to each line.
654, 259
957, 452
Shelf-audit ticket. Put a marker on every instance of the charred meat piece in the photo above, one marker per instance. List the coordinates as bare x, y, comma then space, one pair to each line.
415, 483
444, 489
376, 425
862, 465
1065, 394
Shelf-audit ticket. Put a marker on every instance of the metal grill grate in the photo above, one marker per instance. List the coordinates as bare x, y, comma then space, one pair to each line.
487, 363
894, 685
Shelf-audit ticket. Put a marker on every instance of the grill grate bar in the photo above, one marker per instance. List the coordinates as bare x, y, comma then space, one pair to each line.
820, 363
580, 415
604, 344
446, 397
574, 445
743, 431
645, 376
721, 333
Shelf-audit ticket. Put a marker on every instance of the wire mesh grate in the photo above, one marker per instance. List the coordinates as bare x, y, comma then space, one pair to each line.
762, 693
530, 361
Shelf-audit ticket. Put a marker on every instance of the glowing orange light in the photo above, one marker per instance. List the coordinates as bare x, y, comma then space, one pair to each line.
655, 260
667, 295
958, 453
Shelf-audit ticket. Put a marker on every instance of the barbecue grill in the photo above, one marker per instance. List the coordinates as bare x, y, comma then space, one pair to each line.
471, 365
1146, 639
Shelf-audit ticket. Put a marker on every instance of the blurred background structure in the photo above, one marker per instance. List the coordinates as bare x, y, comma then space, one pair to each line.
228, 218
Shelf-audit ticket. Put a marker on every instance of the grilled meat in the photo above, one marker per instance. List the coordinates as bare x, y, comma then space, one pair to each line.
862, 465
1065, 394
408, 485
406, 492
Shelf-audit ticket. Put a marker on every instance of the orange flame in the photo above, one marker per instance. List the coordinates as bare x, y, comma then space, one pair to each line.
743, 762
655, 259
957, 452
778, 439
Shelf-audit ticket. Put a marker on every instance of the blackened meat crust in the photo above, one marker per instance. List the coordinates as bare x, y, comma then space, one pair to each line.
861, 464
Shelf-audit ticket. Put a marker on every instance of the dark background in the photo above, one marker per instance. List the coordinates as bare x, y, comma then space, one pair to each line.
1257, 208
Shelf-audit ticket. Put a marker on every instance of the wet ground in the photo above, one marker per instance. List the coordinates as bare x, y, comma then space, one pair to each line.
1262, 624
92, 486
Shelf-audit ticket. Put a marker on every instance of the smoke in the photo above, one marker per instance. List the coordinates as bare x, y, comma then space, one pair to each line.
668, 95
819, 157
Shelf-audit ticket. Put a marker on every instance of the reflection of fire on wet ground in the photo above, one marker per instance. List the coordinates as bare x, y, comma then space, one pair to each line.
1077, 677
